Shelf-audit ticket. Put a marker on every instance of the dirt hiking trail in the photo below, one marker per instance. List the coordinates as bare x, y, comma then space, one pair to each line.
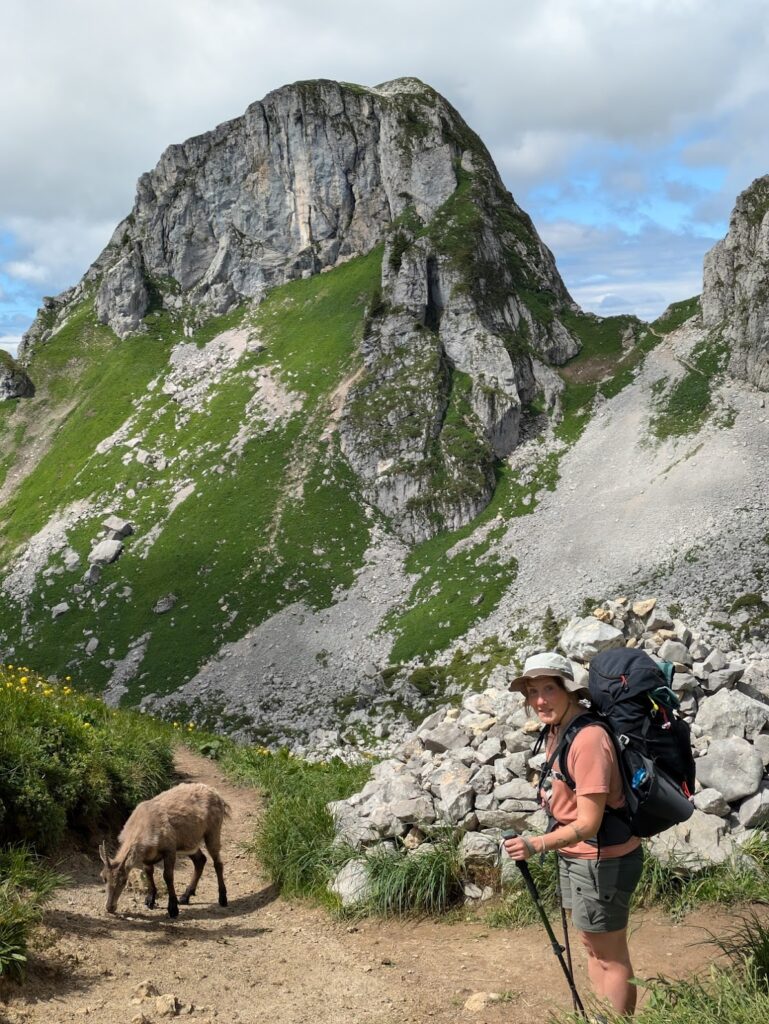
265, 960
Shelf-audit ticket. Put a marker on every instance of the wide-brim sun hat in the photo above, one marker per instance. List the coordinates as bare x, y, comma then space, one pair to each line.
556, 666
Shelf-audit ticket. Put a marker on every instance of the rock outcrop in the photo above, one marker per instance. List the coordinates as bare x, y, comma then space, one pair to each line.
14, 383
317, 173
735, 295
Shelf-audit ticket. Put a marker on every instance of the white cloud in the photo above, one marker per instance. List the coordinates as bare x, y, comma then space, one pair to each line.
109, 85
26, 270
10, 342
56, 250
527, 157
609, 271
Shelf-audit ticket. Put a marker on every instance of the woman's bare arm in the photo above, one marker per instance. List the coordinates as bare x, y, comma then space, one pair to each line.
590, 808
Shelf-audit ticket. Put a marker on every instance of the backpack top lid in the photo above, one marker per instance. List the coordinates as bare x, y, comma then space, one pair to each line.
622, 674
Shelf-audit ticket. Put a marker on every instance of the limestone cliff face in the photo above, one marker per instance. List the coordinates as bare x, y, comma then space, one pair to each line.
14, 383
313, 175
735, 295
309, 176
457, 349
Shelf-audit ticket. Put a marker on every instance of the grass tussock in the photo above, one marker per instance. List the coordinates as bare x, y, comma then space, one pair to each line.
742, 879
426, 881
295, 840
721, 997
747, 946
734, 990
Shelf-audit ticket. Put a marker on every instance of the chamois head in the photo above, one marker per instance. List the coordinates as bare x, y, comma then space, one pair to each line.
115, 876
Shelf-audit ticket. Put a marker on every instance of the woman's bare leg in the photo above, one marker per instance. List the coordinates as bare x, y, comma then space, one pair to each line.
609, 968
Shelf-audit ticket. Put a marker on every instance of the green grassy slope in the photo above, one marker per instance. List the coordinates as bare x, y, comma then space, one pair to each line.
283, 522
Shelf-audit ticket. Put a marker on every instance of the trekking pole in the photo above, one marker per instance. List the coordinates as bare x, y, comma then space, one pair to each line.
566, 945
557, 948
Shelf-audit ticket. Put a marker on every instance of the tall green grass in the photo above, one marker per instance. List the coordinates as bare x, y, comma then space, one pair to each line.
747, 946
294, 839
735, 990
26, 885
741, 879
720, 997
67, 760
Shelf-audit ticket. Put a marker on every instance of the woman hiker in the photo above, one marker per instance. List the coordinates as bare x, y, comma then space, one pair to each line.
599, 861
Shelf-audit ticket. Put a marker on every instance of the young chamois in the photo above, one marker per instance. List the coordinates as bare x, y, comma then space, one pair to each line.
177, 821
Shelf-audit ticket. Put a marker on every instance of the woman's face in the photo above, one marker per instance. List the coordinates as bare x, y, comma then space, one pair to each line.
548, 698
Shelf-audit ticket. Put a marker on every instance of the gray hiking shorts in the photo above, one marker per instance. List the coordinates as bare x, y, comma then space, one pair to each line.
598, 893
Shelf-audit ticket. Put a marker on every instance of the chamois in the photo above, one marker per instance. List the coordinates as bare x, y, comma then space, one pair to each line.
177, 821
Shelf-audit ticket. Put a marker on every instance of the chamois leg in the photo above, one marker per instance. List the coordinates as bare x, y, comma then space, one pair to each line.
198, 859
169, 862
213, 845
152, 889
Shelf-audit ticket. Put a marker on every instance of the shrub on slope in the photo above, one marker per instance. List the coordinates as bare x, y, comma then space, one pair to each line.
67, 759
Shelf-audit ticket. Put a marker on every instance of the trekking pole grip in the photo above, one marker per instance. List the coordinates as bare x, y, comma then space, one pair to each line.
523, 867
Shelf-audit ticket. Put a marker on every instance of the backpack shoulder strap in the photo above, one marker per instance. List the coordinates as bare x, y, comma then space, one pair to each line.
561, 751
540, 741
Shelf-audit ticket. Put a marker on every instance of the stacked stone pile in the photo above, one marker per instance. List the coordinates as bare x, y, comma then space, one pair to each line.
471, 767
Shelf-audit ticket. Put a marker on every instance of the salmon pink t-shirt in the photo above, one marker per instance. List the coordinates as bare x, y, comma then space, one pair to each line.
592, 764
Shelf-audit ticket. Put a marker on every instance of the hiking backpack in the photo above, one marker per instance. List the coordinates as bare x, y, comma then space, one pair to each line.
633, 701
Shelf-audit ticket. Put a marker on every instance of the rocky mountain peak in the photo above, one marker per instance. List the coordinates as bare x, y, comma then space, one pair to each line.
735, 295
318, 173
306, 178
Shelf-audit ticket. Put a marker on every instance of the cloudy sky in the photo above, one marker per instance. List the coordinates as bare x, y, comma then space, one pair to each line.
624, 127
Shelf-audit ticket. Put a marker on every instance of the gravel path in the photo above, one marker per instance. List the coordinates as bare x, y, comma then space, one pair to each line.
265, 961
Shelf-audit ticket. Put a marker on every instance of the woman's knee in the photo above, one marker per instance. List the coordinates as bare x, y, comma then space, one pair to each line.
607, 947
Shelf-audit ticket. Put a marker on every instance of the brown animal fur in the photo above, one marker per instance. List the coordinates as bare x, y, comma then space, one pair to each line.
178, 821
